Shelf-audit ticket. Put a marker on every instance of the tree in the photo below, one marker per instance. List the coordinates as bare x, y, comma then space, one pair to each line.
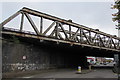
116, 16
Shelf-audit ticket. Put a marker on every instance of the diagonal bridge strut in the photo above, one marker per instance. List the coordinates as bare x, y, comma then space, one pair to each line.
61, 30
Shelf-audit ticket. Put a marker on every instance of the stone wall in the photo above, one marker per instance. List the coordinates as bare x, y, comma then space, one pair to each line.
22, 57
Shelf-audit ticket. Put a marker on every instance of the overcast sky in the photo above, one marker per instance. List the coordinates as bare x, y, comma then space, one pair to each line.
97, 15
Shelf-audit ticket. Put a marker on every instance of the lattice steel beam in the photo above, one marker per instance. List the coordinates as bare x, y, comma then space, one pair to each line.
83, 35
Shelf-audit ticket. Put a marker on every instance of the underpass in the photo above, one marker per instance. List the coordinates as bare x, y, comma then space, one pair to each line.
61, 59
63, 47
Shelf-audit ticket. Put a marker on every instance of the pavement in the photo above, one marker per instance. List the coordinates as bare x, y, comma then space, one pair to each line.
64, 73
60, 73
102, 71
41, 73
97, 73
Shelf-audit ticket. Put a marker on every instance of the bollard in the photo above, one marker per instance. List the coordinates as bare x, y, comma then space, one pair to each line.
90, 67
79, 69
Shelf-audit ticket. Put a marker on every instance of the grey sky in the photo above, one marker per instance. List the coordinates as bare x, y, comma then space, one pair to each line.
91, 14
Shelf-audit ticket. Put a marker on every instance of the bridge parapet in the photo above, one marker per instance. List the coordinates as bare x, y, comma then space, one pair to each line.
63, 31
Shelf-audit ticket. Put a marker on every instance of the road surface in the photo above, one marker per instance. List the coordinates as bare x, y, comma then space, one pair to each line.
71, 73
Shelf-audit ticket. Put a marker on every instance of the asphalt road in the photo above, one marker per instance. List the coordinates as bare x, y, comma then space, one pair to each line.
71, 73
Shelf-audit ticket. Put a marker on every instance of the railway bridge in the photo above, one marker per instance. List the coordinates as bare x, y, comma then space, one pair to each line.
53, 43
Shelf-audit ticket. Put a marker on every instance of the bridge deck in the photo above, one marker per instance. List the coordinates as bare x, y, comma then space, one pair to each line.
42, 38
62, 31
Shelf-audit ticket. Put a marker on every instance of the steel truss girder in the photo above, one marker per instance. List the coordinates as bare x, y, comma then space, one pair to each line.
82, 35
